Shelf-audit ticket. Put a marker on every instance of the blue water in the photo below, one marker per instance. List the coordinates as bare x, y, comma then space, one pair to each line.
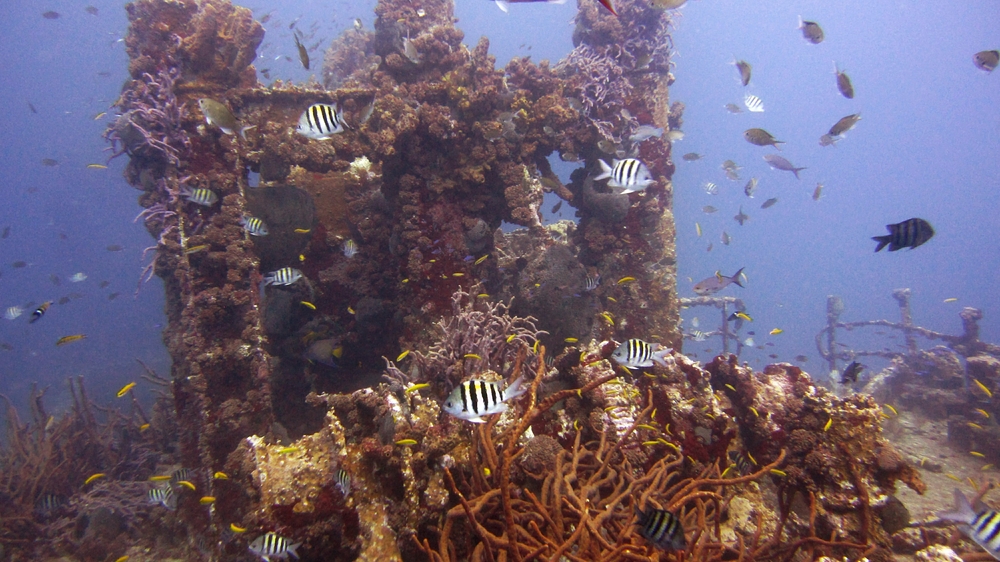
927, 146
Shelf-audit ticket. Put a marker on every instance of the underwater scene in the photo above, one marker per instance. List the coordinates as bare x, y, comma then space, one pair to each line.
499, 280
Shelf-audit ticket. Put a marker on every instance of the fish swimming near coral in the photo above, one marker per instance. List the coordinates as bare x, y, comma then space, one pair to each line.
283, 276
843, 82
217, 114
639, 354
321, 121
986, 60
629, 174
907, 234
504, 5
851, 373
327, 352
344, 481
350, 248
780, 163
476, 398
199, 196
253, 226
979, 523
272, 545
661, 528
163, 496
716, 283
645, 132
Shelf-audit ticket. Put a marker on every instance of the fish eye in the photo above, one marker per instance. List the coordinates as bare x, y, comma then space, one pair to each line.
448, 403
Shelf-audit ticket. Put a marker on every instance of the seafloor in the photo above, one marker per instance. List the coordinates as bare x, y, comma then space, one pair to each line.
312, 409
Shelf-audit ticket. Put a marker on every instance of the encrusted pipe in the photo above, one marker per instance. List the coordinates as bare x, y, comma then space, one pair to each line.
902, 296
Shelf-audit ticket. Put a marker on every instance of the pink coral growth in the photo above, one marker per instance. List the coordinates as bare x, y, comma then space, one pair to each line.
151, 123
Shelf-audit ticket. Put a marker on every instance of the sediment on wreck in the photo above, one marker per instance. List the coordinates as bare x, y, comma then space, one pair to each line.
442, 148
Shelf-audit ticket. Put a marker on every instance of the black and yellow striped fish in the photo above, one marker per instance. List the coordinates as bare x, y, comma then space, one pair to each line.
981, 525
661, 528
271, 544
320, 121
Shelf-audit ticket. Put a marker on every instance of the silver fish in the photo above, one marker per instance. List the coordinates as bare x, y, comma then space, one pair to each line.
750, 188
218, 114
630, 174
645, 132
410, 51
639, 354
163, 496
716, 283
13, 312
981, 525
779, 163
327, 352
753, 103
321, 121
710, 188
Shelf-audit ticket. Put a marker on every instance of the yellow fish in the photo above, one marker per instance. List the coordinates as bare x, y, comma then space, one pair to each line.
402, 355
144, 427
483, 295
406, 442
206, 500
122, 558
511, 337
829, 423
481, 260
93, 477
744, 316
571, 340
97, 166
237, 529
416, 387
458, 274
350, 310
196, 249
303, 230
125, 389
607, 316
977, 454
697, 228
69, 339
983, 388
220, 476
287, 450
626, 280
471, 356
308, 305
159, 478
777, 472
953, 299
776, 331
99, 115
186, 484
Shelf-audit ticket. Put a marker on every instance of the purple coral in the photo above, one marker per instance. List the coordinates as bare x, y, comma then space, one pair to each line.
151, 120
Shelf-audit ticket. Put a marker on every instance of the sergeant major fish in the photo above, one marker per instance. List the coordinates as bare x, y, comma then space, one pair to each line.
638, 354
283, 276
321, 121
661, 528
272, 545
199, 196
753, 103
476, 398
253, 226
716, 283
629, 174
979, 523
163, 496
907, 234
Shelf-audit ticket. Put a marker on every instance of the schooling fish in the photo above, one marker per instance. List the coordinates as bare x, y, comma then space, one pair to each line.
638, 354
629, 174
843, 82
741, 217
760, 137
320, 121
303, 53
828, 140
476, 398
661, 528
986, 60
811, 31
844, 124
733, 108
691, 157
780, 163
907, 234
218, 114
750, 187
743, 67
979, 523
645, 132
39, 312
753, 103
716, 283
200, 196
273, 545
283, 276
13, 312
253, 226
817, 192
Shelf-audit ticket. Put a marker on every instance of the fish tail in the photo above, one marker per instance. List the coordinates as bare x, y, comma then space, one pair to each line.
605, 170
962, 512
736, 277
503, 5
515, 390
883, 241
796, 171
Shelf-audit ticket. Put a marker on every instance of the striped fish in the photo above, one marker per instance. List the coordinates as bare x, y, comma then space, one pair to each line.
181, 474
200, 196
629, 174
753, 103
350, 248
48, 505
163, 496
592, 282
283, 276
476, 398
39, 312
13, 312
982, 526
636, 354
253, 226
344, 481
907, 234
661, 528
271, 545
741, 462
320, 121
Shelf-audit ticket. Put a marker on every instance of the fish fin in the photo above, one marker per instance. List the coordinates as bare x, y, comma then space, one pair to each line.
607, 4
658, 357
801, 23
515, 390
736, 277
962, 512
291, 550
796, 171
605, 171
882, 241
245, 129
226, 131
503, 5
476, 419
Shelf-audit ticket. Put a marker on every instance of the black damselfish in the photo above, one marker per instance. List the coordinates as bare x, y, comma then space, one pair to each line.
907, 234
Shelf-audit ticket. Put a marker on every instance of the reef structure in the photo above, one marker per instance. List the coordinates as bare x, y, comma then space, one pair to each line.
396, 226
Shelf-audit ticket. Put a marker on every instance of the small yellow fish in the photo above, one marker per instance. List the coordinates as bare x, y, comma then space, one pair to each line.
668, 444
649, 427
220, 476
744, 316
187, 484
986, 467
953, 477
302, 258
974, 425
725, 472
405, 281
159, 478
486, 471
607, 316
350, 310
472, 356
755, 413
144, 427
977, 454
458, 274
650, 443
613, 299
983, 388
206, 500
125, 389
406, 442
534, 348
69, 339
829, 423
626, 280
891, 409
953, 299
511, 337
777, 472
481, 260
730, 387
413, 388
697, 227
97, 166
196, 249
237, 529
571, 340
99, 115
483, 295
93, 477
308, 305
576, 425
983, 413
287, 450
776, 331
303, 230
402, 355
122, 558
